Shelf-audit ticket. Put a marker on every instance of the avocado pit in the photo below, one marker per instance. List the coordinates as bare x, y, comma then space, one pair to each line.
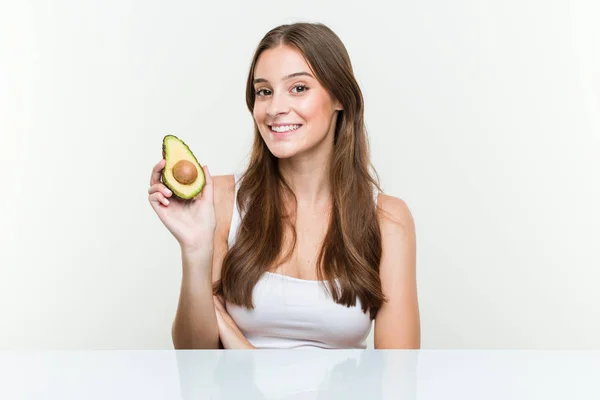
185, 172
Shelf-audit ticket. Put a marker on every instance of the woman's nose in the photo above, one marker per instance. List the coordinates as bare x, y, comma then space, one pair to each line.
278, 105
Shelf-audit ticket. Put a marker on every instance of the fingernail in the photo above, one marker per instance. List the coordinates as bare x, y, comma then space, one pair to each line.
166, 201
167, 192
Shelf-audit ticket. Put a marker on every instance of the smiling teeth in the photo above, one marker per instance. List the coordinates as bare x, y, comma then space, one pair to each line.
285, 128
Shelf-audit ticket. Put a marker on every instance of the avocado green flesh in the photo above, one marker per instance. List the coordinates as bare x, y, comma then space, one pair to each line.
174, 150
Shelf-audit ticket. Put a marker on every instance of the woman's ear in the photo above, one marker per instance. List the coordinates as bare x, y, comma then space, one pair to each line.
338, 106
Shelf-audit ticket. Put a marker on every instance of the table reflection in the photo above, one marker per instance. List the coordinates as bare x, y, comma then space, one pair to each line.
300, 374
297, 374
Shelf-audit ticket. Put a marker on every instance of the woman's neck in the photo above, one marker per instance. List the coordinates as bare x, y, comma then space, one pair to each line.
308, 178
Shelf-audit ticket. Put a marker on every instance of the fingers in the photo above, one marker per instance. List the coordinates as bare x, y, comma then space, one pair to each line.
209, 180
218, 304
207, 190
158, 198
159, 193
218, 312
159, 187
220, 321
155, 177
222, 329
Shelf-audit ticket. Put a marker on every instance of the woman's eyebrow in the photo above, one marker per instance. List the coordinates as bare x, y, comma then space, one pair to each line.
295, 74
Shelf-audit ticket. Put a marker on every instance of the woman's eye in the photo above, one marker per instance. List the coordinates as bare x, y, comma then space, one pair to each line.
263, 92
299, 88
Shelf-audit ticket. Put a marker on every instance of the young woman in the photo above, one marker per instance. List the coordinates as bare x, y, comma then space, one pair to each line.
301, 249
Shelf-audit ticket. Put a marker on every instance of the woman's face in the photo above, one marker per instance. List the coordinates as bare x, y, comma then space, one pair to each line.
294, 113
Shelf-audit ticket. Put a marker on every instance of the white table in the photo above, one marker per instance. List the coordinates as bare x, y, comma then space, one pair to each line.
300, 374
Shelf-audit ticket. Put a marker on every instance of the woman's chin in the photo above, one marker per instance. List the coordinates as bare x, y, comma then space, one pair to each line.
283, 151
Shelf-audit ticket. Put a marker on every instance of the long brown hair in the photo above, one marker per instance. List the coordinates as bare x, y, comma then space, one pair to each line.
351, 250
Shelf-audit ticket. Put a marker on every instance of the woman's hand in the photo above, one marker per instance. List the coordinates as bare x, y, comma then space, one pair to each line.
192, 222
231, 336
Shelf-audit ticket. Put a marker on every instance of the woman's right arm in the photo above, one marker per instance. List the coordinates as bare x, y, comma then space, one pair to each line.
195, 324
198, 226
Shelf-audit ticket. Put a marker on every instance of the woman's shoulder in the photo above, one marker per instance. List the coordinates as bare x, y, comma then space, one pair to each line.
394, 215
224, 186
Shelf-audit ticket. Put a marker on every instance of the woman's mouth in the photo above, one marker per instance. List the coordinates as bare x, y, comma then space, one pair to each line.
283, 130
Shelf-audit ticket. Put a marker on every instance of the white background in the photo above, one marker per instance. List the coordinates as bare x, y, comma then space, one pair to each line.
484, 116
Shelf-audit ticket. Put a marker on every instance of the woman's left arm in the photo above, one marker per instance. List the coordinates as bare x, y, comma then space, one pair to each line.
397, 325
231, 337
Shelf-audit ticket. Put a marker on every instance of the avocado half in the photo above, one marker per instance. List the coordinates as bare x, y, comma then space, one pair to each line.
182, 173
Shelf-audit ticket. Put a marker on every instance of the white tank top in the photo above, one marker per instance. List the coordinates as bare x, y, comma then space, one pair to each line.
296, 313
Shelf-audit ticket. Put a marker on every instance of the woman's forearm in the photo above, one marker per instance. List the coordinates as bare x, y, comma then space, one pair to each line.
195, 324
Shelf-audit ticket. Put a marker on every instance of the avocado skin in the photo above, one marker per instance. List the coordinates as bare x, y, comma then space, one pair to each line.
165, 180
